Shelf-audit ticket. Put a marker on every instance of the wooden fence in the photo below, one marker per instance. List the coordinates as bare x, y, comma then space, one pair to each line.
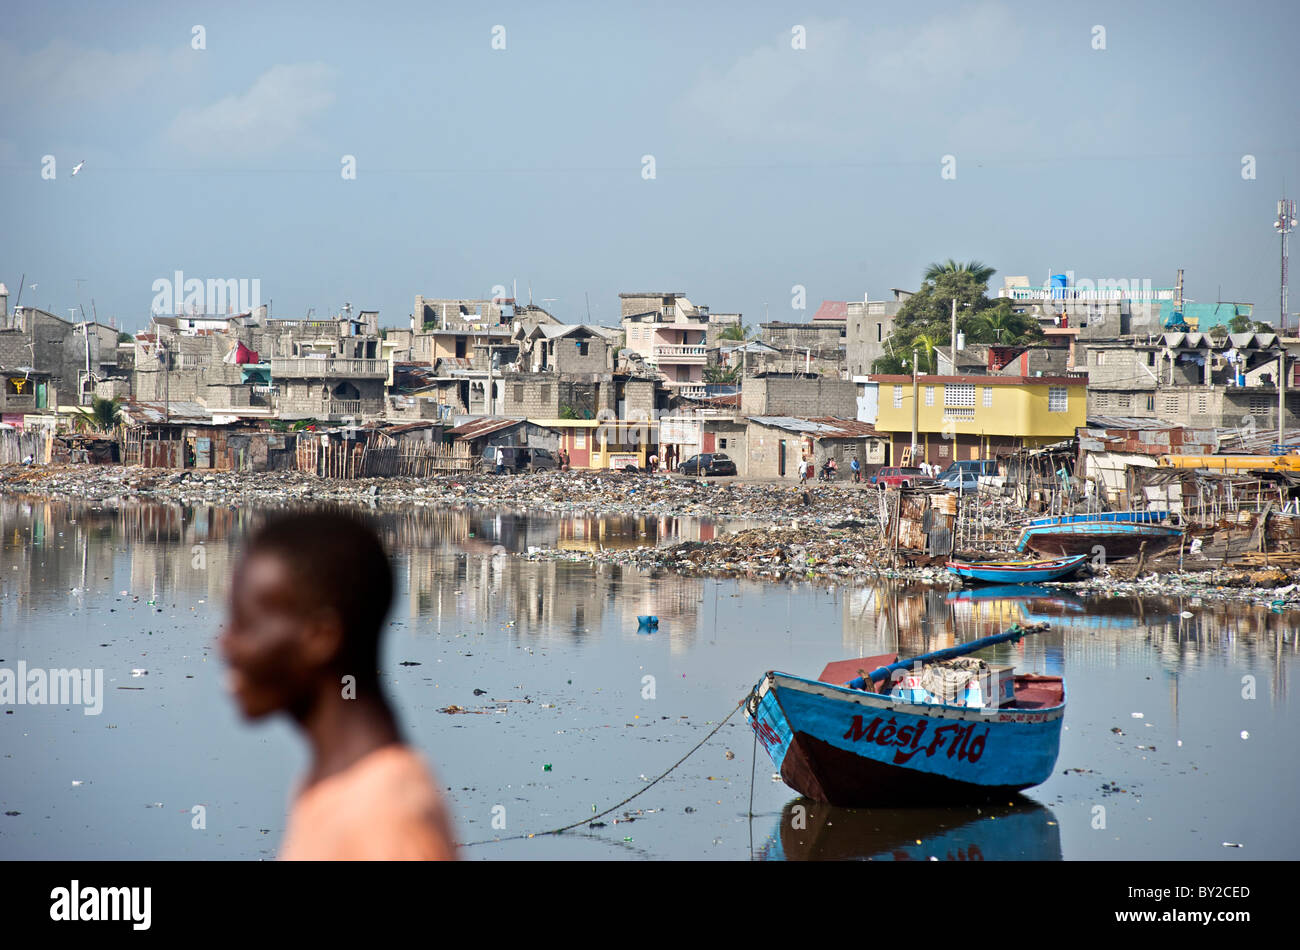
380, 455
17, 444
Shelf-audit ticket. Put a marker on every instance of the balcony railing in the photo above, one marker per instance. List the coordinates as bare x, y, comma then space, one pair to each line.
13, 401
345, 407
680, 354
322, 367
1076, 293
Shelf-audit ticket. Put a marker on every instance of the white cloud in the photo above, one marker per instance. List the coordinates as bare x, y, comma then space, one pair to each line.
278, 108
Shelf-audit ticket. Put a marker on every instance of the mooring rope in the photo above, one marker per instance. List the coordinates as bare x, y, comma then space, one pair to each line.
556, 831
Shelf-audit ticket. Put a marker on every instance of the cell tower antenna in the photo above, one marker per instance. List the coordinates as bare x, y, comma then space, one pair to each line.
1284, 224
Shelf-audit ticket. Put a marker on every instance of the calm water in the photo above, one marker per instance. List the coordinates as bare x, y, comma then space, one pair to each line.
556, 647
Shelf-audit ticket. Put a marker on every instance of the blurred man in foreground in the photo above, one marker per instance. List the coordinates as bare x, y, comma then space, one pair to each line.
307, 607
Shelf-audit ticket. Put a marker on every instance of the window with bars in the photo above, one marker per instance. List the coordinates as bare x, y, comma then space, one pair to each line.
1123, 401
1203, 404
1172, 405
1260, 405
959, 394
929, 395
898, 397
1151, 403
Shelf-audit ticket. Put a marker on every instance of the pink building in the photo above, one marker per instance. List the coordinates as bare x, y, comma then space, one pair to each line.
669, 332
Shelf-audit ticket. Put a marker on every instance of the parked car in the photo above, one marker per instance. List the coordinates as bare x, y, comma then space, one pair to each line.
517, 458
900, 478
965, 476
710, 463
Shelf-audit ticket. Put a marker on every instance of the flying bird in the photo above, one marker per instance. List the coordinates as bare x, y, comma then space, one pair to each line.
77, 167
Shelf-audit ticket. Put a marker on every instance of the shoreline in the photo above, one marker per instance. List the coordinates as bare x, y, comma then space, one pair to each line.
776, 532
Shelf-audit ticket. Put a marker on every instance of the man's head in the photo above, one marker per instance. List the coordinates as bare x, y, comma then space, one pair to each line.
307, 605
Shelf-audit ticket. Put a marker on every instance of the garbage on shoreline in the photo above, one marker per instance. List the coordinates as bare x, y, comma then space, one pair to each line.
766, 530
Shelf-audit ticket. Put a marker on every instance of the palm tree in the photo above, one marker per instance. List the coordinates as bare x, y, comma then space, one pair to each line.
928, 343
104, 415
976, 269
1001, 323
736, 331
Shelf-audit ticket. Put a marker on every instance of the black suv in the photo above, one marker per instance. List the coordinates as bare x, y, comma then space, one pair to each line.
712, 463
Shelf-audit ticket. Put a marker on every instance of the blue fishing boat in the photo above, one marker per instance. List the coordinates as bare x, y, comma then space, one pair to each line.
1125, 517
1114, 539
1013, 572
837, 739
1019, 830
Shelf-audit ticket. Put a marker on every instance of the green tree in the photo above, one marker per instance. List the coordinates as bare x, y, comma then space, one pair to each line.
976, 269
924, 321
736, 331
104, 415
124, 337
721, 374
927, 344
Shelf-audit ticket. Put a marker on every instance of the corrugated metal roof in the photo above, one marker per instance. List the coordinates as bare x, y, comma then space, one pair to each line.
1129, 422
486, 425
175, 412
825, 427
832, 310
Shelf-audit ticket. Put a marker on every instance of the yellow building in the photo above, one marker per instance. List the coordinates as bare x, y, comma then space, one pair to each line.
973, 417
597, 443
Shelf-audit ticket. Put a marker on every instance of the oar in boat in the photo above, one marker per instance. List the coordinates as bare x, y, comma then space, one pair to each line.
1015, 633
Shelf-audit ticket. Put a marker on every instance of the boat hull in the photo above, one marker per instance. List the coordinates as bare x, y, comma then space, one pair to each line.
1115, 541
854, 748
1006, 572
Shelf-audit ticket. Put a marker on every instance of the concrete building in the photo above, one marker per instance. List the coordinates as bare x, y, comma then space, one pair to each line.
782, 394
868, 324
991, 359
682, 435
978, 416
776, 445
74, 355
826, 336
1204, 380
565, 349
671, 336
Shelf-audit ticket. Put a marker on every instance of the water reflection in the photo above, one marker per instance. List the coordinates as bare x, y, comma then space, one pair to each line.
567, 630
455, 563
1022, 830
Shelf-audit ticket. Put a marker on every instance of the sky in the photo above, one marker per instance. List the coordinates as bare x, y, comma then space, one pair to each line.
733, 153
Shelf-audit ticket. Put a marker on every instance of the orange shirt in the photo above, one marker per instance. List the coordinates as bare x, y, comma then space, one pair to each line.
385, 807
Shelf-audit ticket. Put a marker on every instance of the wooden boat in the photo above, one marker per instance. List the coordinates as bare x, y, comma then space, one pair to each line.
1018, 830
1012, 572
836, 739
1113, 539
1126, 517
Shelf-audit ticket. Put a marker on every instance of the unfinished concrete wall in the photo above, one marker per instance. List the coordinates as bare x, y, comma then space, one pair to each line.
798, 397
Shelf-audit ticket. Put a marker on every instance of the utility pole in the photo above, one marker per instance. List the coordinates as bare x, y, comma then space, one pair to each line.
1283, 225
1281, 398
167, 391
915, 406
952, 348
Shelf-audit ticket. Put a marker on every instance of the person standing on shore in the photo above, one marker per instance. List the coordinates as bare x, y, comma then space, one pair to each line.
307, 607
